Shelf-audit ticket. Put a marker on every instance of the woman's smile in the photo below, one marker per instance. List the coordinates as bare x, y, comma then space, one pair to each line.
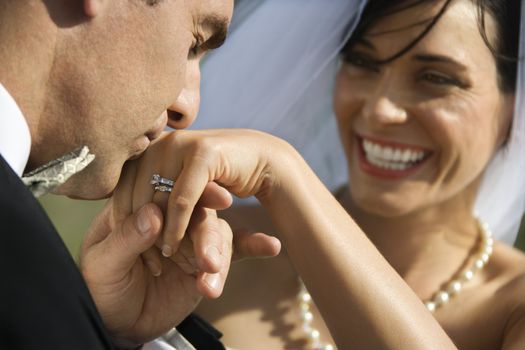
389, 159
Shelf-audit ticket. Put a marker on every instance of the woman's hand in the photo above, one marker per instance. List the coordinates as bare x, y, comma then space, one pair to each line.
242, 161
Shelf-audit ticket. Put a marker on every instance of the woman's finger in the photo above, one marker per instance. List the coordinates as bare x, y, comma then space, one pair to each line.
250, 244
185, 194
209, 237
215, 197
211, 285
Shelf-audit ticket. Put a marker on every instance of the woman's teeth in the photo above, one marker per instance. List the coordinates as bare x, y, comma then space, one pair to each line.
393, 158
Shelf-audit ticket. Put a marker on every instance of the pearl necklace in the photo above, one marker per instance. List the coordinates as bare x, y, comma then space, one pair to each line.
454, 286
307, 317
439, 298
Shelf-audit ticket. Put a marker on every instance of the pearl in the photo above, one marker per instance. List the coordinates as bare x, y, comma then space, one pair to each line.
314, 334
479, 264
307, 316
306, 298
442, 297
304, 306
454, 287
431, 306
468, 275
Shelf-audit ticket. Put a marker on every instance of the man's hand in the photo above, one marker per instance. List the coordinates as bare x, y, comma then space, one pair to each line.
135, 305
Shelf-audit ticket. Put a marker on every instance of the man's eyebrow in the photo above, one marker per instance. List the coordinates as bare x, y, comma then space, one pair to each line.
439, 59
218, 26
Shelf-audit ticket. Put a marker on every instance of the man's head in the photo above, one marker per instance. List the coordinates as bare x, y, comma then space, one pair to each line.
115, 72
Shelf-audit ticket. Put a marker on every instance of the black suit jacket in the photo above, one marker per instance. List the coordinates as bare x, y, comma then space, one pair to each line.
44, 302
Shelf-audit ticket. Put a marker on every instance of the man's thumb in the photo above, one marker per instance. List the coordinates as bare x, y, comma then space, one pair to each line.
138, 233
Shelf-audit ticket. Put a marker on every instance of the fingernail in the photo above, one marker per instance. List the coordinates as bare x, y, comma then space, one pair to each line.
167, 251
212, 279
143, 222
214, 255
155, 270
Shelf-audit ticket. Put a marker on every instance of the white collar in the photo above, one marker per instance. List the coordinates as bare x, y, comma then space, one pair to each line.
15, 139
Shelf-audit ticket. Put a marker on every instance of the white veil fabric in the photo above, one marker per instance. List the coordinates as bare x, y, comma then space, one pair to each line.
501, 199
276, 74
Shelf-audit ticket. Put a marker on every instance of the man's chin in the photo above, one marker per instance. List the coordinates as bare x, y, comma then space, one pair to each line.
79, 187
87, 198
80, 195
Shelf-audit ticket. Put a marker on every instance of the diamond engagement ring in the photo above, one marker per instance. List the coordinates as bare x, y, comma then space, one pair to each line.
162, 188
161, 184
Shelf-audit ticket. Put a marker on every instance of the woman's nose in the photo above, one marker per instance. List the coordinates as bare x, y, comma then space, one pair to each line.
383, 111
183, 112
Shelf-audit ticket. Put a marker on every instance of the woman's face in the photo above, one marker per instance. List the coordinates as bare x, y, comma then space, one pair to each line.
419, 131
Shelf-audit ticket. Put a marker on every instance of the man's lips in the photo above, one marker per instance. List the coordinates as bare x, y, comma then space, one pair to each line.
140, 145
153, 135
145, 140
157, 128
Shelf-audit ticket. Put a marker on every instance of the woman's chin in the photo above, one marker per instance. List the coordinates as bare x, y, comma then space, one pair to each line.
382, 206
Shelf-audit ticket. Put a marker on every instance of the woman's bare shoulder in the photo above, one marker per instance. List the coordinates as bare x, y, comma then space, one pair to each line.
507, 268
507, 262
511, 264
500, 295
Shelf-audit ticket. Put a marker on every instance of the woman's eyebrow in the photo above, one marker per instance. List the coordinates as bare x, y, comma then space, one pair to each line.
439, 59
366, 43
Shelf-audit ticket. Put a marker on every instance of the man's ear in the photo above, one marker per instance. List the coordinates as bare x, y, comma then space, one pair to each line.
93, 8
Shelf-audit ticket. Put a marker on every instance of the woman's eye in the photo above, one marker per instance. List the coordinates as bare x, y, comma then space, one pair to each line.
440, 79
361, 62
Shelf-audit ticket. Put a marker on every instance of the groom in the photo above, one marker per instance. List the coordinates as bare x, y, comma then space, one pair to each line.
105, 78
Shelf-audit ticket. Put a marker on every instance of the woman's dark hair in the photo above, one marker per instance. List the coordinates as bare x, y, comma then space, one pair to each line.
504, 47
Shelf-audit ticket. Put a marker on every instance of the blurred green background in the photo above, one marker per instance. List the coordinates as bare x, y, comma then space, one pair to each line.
73, 217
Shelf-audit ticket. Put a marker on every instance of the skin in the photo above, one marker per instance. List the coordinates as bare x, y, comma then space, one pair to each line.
111, 75
377, 304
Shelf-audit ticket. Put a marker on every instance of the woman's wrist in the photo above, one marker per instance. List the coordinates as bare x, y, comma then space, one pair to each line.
283, 167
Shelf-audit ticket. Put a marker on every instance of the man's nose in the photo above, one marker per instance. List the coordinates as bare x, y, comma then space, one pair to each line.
183, 112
